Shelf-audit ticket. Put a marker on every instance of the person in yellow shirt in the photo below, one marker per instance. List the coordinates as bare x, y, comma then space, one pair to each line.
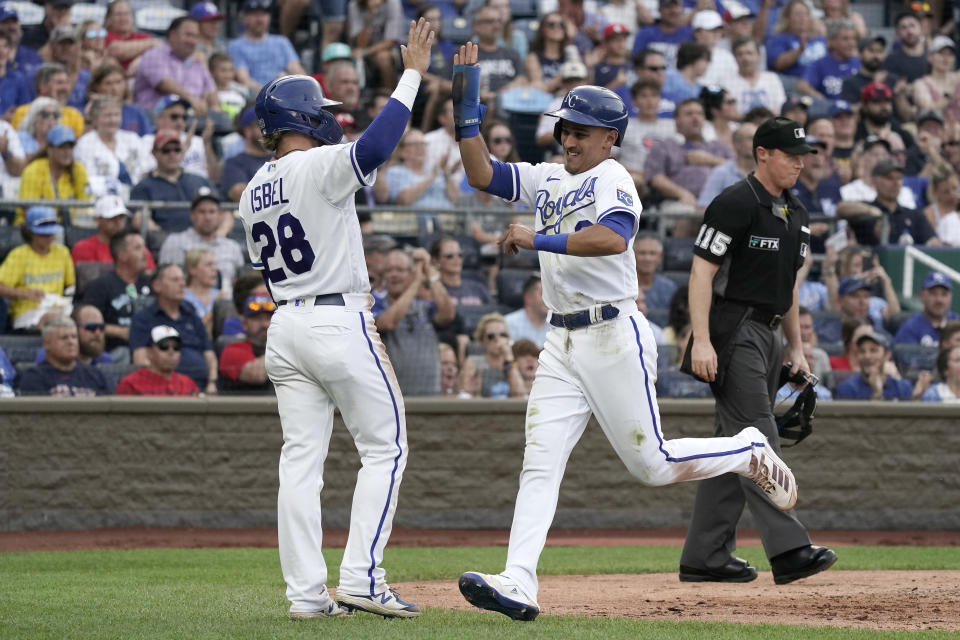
37, 268
53, 81
55, 175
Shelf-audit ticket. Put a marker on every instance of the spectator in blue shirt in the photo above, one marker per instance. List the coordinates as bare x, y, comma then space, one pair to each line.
667, 35
871, 383
7, 375
198, 359
238, 170
61, 374
732, 171
693, 59
923, 328
657, 288
824, 78
948, 368
14, 87
794, 45
259, 56
26, 60
65, 49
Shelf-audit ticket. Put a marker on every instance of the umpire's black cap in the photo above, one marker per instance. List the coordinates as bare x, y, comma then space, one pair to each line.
784, 134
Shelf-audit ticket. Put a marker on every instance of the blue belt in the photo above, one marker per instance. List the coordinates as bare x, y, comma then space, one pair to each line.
331, 299
580, 319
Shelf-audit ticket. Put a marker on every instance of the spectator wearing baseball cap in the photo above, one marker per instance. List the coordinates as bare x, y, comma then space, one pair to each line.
240, 168
168, 182
708, 31
872, 382
64, 48
934, 90
56, 13
110, 215
908, 55
795, 43
159, 377
258, 55
206, 224
208, 17
667, 35
930, 132
825, 76
57, 175
907, 225
37, 268
924, 327
242, 368
25, 60
613, 68
872, 51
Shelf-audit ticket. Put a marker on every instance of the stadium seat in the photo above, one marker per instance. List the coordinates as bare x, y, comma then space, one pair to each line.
156, 19
20, 348
828, 326
21, 368
674, 384
471, 315
471, 251
222, 341
524, 128
457, 29
510, 286
524, 259
677, 254
892, 322
83, 11
115, 372
913, 358
9, 238
527, 26
28, 12
73, 235
523, 8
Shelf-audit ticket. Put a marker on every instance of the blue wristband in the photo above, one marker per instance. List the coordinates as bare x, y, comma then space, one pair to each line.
553, 244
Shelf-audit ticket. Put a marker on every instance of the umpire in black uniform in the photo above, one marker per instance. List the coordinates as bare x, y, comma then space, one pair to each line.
743, 288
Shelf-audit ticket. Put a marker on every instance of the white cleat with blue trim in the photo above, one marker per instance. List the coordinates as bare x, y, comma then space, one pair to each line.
332, 610
497, 593
387, 604
769, 472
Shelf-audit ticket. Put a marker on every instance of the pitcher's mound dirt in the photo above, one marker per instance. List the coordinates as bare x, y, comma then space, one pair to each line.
890, 600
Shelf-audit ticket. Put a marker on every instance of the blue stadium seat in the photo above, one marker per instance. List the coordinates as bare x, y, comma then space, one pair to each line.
828, 326
673, 384
471, 315
913, 358
115, 372
677, 254
457, 29
524, 259
523, 8
510, 286
73, 235
20, 348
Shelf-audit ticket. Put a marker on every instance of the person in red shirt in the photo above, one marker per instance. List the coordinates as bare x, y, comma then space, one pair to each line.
124, 43
158, 378
111, 216
242, 365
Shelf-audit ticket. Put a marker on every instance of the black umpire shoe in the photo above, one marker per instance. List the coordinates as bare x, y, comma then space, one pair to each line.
801, 562
736, 570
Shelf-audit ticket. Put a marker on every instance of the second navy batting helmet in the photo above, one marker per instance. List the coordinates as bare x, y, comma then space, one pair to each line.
593, 106
296, 103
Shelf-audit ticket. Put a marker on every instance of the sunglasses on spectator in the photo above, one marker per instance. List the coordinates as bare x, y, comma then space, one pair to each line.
448, 256
96, 33
93, 326
177, 116
267, 305
166, 346
501, 140
49, 114
663, 68
494, 336
169, 150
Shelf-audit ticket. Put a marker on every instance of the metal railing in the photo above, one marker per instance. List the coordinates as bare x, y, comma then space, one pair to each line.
912, 255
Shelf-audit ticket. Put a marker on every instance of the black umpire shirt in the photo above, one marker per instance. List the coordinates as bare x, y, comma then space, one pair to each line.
759, 245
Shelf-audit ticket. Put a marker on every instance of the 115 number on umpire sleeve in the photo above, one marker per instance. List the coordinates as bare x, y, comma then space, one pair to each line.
709, 239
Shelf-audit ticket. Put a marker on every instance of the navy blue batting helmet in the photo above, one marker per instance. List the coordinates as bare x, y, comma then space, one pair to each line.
296, 103
593, 106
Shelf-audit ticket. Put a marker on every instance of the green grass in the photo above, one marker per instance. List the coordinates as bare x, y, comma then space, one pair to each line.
238, 593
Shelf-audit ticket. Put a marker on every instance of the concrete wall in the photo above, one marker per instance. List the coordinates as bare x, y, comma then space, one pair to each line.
83, 463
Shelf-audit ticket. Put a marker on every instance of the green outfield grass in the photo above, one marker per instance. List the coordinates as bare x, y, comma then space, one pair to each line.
192, 594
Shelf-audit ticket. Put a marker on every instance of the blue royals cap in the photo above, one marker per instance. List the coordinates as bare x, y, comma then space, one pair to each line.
840, 106
851, 284
937, 279
61, 134
206, 11
43, 221
169, 101
8, 13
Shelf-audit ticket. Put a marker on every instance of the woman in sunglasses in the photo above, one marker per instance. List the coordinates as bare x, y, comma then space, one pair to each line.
93, 45
493, 374
201, 292
42, 115
547, 53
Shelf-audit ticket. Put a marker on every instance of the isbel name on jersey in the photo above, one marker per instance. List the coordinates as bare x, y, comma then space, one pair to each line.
267, 194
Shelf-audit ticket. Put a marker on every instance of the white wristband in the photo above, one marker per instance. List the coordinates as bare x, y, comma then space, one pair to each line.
406, 91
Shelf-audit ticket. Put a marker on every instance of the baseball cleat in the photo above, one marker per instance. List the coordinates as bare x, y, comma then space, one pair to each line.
769, 472
497, 593
387, 604
332, 610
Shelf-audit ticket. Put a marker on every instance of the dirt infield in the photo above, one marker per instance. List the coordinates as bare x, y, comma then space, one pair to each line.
890, 600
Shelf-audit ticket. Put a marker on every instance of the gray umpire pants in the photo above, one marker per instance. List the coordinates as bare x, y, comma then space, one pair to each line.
745, 399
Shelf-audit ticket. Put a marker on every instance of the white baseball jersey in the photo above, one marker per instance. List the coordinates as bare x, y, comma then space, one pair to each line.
565, 203
301, 223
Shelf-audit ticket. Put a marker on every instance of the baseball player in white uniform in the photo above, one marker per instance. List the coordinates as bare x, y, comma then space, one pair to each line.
600, 356
323, 351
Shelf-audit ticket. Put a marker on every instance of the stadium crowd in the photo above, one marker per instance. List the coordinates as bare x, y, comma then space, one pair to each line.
137, 100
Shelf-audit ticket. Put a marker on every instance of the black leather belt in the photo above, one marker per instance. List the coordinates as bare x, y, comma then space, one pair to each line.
330, 299
767, 318
580, 319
